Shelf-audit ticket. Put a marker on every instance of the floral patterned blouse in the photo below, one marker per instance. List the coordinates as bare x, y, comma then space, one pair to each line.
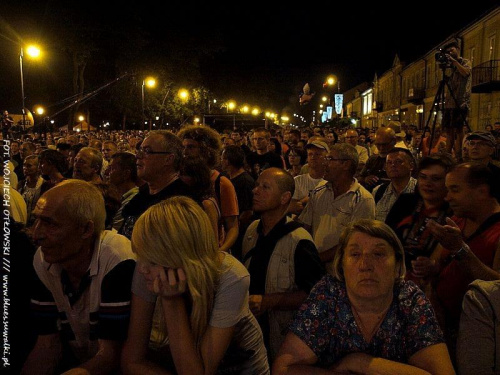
326, 324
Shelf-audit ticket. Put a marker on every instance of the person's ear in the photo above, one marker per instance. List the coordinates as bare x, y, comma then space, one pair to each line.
88, 230
286, 197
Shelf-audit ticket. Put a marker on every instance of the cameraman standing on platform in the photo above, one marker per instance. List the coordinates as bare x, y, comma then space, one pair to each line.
455, 111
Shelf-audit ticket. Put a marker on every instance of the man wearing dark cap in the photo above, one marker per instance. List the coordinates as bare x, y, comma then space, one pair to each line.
481, 145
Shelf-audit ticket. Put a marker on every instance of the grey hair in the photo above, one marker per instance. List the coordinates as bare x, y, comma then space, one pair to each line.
172, 143
348, 152
373, 228
97, 159
83, 203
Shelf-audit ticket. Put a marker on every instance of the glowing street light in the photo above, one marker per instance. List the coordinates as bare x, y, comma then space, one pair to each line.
324, 98
255, 111
332, 80
33, 51
183, 95
81, 118
39, 110
245, 109
231, 105
150, 82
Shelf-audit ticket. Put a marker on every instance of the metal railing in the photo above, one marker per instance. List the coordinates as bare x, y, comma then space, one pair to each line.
486, 72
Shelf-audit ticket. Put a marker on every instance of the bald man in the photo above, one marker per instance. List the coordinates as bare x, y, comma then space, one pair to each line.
281, 258
352, 137
82, 295
373, 173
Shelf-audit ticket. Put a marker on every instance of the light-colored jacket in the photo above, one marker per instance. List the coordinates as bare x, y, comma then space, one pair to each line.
280, 278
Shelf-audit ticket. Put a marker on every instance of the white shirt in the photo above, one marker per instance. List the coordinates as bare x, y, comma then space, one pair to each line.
362, 154
328, 215
304, 183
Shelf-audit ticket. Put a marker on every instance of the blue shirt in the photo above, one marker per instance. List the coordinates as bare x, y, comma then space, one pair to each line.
326, 324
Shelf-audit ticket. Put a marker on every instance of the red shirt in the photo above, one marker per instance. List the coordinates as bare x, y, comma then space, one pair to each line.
452, 282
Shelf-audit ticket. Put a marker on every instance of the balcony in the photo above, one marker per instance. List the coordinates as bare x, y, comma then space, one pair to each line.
486, 77
415, 95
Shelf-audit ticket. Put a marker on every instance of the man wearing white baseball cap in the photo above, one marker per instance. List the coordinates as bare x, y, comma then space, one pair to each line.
316, 150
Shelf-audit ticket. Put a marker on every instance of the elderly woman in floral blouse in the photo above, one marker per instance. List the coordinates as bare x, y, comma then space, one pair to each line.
366, 319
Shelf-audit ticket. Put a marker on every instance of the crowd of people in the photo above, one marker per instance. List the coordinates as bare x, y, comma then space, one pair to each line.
288, 251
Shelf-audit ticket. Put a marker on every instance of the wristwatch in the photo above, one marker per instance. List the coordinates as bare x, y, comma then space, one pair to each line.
460, 253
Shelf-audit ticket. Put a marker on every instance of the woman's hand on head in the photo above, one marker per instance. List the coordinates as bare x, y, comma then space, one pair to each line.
170, 282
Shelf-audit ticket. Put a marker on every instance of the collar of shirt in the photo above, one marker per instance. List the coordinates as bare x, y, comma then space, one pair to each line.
352, 189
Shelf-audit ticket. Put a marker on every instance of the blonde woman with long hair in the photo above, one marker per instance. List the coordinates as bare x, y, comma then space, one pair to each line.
190, 310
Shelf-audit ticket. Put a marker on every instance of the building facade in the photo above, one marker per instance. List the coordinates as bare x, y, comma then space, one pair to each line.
407, 92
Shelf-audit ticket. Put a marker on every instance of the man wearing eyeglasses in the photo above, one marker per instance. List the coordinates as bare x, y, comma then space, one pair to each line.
158, 162
481, 147
338, 202
399, 165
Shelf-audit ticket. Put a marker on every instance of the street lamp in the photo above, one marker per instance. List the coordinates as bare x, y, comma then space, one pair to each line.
34, 52
39, 110
149, 82
230, 105
331, 81
209, 101
183, 95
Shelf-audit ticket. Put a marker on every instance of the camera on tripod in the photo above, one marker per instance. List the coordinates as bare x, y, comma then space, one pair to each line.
441, 58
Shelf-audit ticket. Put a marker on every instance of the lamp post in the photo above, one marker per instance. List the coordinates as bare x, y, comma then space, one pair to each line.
214, 101
21, 56
150, 82
183, 95
34, 52
331, 80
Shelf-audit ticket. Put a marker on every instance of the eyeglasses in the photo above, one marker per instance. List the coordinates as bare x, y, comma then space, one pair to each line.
147, 151
397, 162
478, 143
331, 158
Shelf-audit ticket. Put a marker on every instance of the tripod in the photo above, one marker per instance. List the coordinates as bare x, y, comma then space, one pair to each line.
438, 106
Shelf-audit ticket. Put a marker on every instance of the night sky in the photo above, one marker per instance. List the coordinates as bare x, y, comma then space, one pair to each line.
264, 46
